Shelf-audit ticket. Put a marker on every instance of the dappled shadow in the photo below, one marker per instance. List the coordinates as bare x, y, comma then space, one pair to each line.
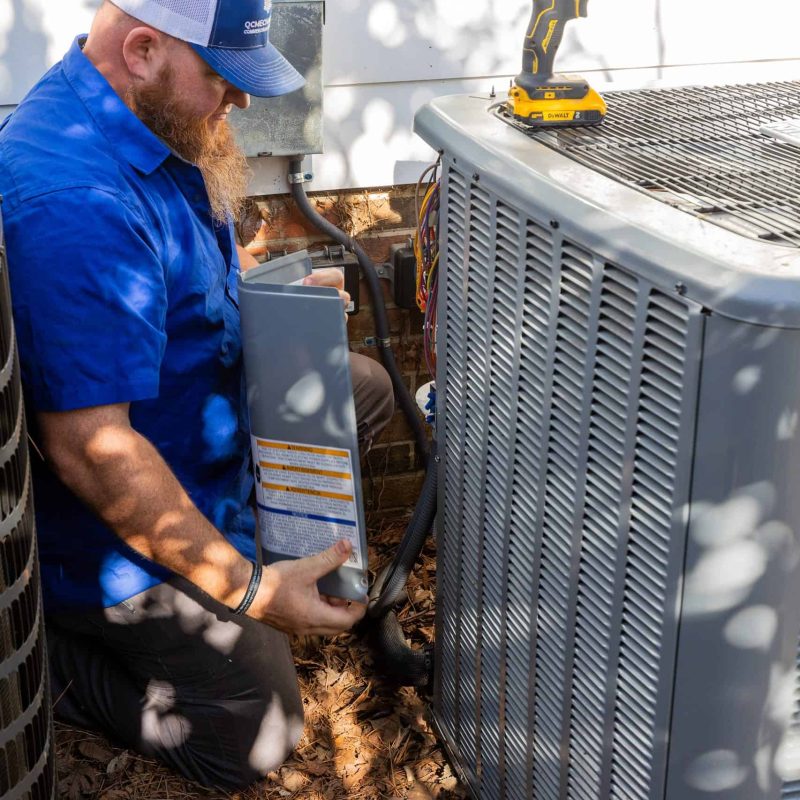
363, 737
407, 55
24, 58
223, 716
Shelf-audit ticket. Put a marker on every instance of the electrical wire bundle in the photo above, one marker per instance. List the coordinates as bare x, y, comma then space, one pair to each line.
426, 250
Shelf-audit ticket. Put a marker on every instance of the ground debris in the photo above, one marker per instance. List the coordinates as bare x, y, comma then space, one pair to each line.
364, 739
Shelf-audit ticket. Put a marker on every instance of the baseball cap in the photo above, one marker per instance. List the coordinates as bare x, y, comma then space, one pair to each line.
232, 37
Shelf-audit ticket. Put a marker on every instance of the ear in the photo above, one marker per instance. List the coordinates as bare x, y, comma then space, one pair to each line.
145, 52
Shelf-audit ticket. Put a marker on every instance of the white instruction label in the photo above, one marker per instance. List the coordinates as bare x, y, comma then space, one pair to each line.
306, 498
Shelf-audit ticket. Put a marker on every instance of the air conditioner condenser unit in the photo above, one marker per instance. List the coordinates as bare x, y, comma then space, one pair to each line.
27, 745
618, 602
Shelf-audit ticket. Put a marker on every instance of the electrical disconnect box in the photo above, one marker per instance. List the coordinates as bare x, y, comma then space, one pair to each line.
291, 124
404, 262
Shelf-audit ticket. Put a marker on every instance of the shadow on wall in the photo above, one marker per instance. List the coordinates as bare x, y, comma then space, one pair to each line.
26, 49
24, 58
409, 56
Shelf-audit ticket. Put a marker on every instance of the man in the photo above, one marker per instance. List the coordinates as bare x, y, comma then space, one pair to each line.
120, 180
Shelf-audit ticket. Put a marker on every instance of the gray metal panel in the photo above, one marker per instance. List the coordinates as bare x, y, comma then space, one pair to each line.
536, 346
291, 268
299, 388
290, 124
738, 646
450, 431
721, 270
666, 363
558, 502
473, 470
590, 408
618, 321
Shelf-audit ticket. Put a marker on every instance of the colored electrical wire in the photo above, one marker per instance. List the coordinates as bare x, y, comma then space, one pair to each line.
426, 251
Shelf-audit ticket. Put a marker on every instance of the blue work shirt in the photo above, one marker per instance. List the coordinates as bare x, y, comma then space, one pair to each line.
124, 291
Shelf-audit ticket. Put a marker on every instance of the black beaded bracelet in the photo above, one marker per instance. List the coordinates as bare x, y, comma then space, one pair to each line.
252, 588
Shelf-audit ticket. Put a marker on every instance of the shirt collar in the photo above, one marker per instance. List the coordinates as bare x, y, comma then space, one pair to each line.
130, 137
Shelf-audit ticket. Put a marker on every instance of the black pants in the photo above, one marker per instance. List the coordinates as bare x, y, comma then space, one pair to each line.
173, 674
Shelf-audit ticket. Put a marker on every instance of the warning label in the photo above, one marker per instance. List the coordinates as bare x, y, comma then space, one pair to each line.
306, 498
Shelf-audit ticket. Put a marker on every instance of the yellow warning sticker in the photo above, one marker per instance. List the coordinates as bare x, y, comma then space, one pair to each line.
306, 498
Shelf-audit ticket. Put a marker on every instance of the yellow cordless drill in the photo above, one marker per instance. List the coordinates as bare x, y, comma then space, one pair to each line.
539, 97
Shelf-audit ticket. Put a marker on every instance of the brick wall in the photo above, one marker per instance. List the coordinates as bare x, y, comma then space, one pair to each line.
377, 218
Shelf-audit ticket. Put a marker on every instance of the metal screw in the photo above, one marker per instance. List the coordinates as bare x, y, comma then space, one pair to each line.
437, 459
554, 224
680, 288
476, 177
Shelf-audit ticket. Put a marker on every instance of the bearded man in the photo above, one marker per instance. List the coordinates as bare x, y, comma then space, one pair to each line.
121, 180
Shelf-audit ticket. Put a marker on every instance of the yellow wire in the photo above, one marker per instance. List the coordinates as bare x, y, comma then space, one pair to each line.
421, 277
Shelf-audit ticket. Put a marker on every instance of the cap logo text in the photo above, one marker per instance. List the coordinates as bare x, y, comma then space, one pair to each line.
258, 25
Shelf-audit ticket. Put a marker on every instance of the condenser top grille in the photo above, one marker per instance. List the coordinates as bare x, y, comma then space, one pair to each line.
700, 149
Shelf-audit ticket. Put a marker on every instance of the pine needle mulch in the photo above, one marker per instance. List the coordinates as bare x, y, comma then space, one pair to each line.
364, 739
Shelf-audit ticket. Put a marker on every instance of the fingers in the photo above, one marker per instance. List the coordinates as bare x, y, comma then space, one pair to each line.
288, 598
327, 276
328, 560
334, 601
336, 619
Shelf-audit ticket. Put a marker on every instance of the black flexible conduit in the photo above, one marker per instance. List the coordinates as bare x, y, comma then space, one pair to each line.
389, 588
393, 656
404, 398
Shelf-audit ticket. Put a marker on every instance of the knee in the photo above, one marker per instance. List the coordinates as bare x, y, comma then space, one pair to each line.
234, 738
384, 398
265, 742
374, 397
278, 735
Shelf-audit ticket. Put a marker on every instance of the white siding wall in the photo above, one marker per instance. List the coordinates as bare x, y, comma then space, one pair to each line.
384, 58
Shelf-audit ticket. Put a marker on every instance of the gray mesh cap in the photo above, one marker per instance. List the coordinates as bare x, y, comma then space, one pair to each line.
232, 36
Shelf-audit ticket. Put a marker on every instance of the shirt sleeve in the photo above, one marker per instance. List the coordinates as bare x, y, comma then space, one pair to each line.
89, 296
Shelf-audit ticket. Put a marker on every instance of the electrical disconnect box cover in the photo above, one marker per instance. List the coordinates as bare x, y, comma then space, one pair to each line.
290, 124
302, 420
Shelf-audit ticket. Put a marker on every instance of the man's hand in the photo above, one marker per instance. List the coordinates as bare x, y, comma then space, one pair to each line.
329, 276
288, 598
